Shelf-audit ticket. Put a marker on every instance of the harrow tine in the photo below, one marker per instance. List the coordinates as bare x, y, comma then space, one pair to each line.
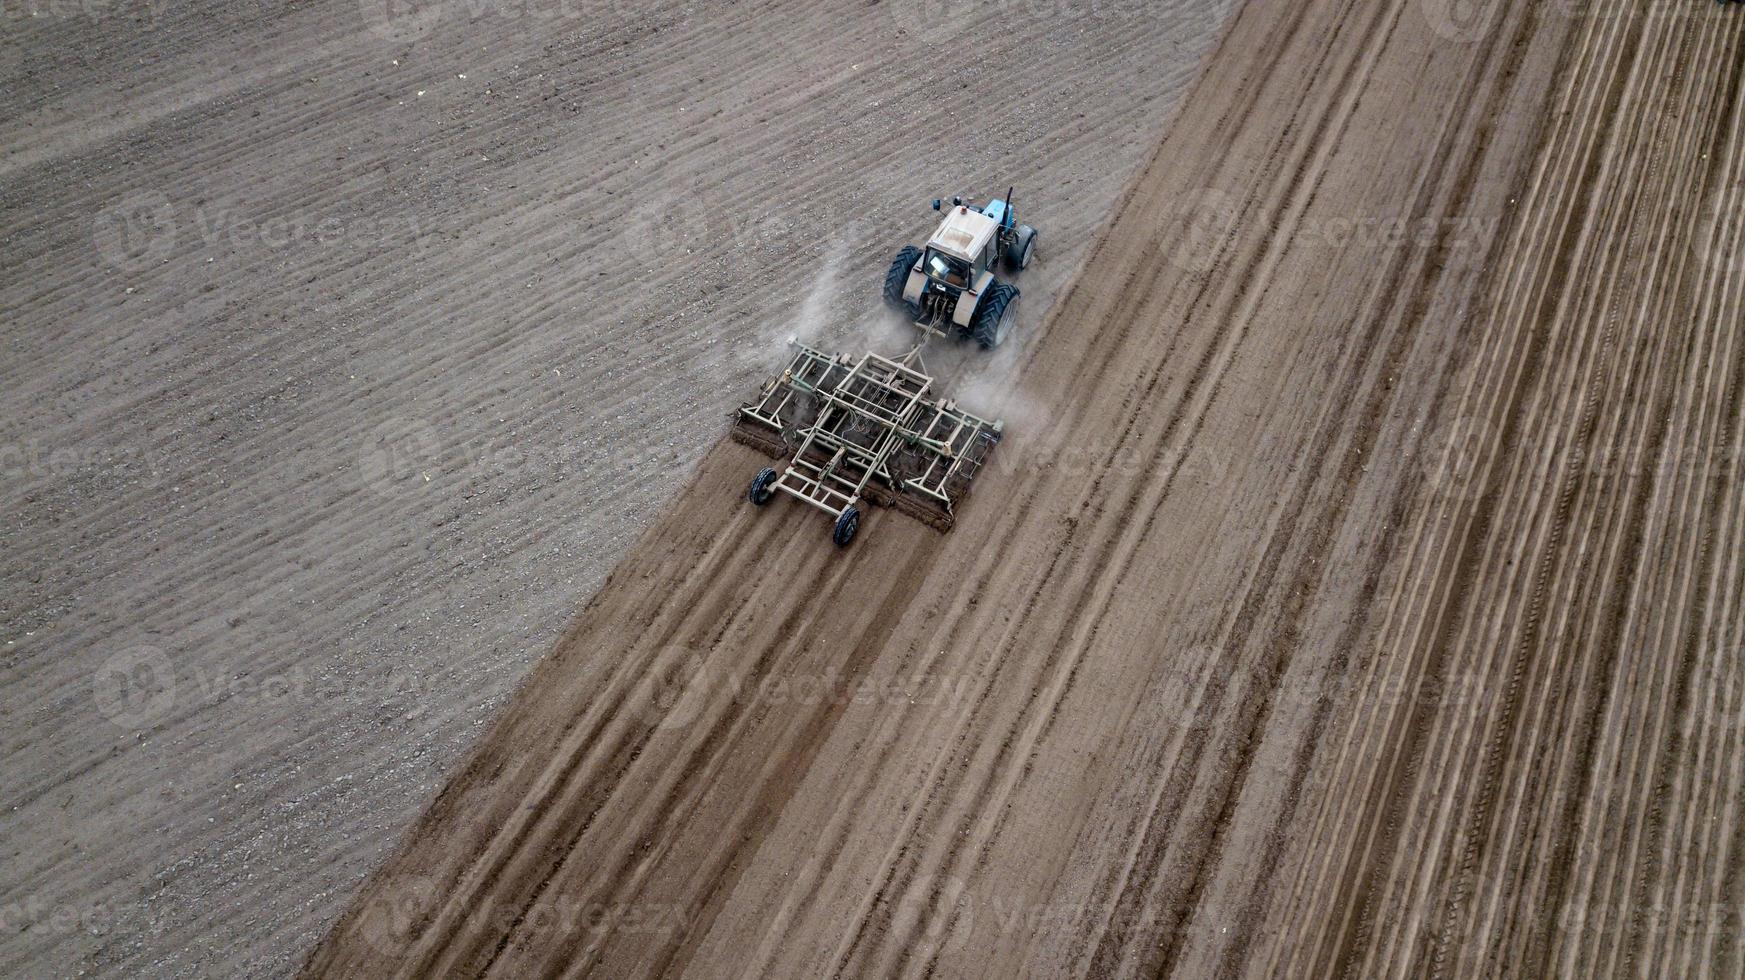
867, 429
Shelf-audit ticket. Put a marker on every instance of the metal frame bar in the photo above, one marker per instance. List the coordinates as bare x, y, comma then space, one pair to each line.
854, 422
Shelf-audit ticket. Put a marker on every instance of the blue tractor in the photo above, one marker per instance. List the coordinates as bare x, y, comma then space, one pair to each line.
949, 287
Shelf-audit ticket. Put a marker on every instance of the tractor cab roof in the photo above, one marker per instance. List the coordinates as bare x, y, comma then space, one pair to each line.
964, 233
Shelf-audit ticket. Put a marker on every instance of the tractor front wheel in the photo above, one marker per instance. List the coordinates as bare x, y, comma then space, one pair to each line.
1018, 258
995, 315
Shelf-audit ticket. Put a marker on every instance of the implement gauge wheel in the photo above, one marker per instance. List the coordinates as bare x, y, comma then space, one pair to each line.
762, 487
846, 525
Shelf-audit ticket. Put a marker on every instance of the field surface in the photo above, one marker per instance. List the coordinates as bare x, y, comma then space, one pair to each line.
346, 345
1358, 593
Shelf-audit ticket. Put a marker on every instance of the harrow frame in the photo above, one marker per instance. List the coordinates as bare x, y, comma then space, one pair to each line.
867, 429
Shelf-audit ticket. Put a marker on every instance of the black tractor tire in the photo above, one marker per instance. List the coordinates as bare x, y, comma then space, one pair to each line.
846, 525
994, 315
1023, 250
898, 278
762, 487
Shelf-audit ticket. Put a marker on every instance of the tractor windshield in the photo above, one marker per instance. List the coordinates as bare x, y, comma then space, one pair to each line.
944, 269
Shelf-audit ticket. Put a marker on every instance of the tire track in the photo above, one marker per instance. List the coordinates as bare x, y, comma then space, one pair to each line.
1427, 836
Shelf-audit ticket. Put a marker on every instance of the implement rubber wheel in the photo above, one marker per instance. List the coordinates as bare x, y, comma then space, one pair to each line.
1018, 259
994, 316
762, 487
846, 525
898, 278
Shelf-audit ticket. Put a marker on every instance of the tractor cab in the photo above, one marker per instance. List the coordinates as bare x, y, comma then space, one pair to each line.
949, 286
961, 250
947, 270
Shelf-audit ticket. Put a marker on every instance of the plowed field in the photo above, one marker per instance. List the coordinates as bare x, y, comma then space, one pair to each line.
1359, 593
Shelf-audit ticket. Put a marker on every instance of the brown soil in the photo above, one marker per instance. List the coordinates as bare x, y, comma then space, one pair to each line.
1360, 593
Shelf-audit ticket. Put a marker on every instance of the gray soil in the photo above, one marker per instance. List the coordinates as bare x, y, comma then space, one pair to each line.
349, 345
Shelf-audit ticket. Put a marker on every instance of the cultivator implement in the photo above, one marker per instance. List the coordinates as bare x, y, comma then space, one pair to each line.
866, 430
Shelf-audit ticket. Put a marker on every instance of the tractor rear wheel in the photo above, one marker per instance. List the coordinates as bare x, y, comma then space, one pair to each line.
994, 316
762, 487
846, 525
897, 279
1018, 257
